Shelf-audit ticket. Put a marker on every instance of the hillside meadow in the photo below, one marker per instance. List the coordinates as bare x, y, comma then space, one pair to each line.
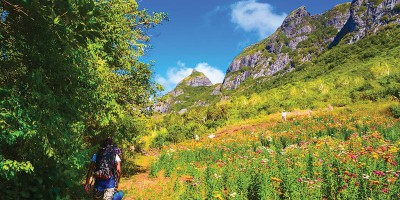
332, 153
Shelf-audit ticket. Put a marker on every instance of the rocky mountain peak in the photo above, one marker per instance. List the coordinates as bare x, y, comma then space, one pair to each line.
196, 79
302, 37
367, 16
188, 93
293, 20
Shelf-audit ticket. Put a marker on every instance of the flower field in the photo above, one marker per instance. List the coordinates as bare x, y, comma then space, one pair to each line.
330, 155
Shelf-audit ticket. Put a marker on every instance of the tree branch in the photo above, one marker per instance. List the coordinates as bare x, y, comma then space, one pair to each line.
16, 7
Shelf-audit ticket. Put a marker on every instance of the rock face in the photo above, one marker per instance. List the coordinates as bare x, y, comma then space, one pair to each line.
366, 17
175, 97
301, 37
295, 19
196, 79
164, 106
216, 90
275, 53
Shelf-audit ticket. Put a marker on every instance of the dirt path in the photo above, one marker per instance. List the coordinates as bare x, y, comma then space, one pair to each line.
141, 185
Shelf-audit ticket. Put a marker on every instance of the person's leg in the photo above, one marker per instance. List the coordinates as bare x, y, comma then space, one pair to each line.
108, 194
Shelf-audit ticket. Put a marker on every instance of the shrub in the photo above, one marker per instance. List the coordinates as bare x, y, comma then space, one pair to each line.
395, 110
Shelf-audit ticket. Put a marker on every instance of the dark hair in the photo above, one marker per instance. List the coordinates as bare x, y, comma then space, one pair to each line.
107, 141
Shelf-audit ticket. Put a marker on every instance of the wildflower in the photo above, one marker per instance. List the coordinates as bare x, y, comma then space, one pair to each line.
217, 176
391, 180
232, 194
264, 160
379, 173
365, 176
342, 188
218, 196
276, 179
374, 182
300, 180
375, 155
385, 190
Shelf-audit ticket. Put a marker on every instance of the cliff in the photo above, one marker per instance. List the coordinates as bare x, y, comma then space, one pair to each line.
298, 38
194, 90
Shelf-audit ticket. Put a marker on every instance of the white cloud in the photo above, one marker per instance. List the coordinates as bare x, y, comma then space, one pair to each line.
215, 75
177, 74
251, 15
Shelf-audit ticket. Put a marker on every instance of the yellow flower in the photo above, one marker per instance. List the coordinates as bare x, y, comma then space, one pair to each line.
218, 196
393, 150
276, 179
374, 182
375, 155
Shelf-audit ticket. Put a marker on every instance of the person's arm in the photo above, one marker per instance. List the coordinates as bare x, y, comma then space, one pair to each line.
89, 175
118, 175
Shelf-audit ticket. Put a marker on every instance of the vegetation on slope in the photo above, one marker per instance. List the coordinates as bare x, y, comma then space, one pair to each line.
69, 77
367, 71
347, 153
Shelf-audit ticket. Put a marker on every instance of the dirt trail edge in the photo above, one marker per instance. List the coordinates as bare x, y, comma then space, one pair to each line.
141, 185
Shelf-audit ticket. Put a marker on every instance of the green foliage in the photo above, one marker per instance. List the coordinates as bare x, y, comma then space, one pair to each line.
309, 166
396, 8
395, 110
69, 76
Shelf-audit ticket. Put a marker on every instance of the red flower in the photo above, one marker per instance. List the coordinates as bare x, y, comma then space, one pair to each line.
300, 180
385, 190
379, 173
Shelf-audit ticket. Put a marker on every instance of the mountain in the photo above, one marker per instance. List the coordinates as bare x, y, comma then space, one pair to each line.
344, 55
299, 38
194, 90
303, 37
368, 17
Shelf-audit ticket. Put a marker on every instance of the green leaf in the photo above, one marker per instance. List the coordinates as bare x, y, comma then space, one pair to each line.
57, 20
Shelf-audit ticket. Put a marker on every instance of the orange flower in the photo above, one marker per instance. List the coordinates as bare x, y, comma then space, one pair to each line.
374, 182
391, 180
276, 179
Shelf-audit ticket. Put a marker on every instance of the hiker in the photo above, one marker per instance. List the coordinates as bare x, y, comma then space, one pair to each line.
284, 115
106, 170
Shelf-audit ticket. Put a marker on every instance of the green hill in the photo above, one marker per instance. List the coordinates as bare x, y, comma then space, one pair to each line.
345, 56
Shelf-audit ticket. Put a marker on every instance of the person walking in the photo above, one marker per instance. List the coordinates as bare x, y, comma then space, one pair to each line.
284, 115
105, 167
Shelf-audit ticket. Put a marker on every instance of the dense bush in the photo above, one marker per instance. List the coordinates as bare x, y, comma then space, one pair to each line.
69, 77
395, 110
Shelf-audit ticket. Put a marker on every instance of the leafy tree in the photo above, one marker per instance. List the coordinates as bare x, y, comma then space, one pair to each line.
70, 74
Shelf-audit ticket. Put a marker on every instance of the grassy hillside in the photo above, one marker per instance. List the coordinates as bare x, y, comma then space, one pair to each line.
365, 71
344, 153
346, 75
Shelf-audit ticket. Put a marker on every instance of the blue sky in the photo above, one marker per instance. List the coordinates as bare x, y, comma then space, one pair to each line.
207, 35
